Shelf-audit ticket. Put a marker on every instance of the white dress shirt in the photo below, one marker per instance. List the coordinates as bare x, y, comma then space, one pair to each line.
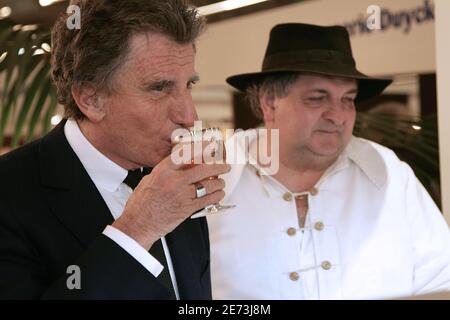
108, 177
371, 231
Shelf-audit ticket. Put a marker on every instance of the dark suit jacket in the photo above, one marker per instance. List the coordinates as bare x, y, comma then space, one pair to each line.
52, 216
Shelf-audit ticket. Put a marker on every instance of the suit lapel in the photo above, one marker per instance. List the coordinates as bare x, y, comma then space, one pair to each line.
71, 194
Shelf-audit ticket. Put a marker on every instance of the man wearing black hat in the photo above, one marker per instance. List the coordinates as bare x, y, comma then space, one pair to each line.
342, 217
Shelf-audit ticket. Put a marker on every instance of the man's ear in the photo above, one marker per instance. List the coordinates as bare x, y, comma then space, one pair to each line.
267, 103
89, 102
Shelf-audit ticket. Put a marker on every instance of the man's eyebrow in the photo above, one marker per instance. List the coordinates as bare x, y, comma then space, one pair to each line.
158, 84
318, 91
351, 91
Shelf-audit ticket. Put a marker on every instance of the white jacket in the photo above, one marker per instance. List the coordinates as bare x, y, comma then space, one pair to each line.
372, 231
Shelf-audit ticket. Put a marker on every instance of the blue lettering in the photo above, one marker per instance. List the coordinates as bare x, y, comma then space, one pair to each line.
403, 19
420, 15
386, 20
429, 10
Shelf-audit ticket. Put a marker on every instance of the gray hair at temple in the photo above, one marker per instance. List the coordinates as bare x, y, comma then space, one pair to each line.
276, 86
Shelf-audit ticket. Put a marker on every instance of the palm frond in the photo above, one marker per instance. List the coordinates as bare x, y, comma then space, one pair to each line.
414, 139
25, 74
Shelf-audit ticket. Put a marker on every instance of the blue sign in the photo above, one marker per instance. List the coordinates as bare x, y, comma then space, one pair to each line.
403, 20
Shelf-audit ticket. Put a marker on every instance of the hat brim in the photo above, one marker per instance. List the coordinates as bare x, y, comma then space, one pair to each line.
368, 87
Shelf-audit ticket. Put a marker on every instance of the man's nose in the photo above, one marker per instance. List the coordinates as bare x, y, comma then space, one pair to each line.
335, 113
187, 113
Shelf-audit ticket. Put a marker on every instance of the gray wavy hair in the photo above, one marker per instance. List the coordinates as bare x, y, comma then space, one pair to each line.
276, 86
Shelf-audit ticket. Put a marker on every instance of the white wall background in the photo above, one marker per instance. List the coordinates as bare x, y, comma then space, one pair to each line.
238, 45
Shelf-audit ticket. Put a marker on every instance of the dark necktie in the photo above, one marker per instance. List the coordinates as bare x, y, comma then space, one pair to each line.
157, 251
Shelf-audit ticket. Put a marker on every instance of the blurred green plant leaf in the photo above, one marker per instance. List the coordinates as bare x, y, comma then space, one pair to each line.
414, 140
25, 73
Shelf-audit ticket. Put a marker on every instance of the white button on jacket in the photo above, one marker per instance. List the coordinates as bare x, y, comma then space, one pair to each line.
372, 232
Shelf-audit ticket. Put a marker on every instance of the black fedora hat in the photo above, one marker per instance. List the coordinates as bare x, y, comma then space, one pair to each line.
305, 48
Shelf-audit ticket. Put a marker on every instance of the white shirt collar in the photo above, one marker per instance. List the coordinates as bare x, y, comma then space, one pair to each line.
104, 173
364, 155
368, 159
